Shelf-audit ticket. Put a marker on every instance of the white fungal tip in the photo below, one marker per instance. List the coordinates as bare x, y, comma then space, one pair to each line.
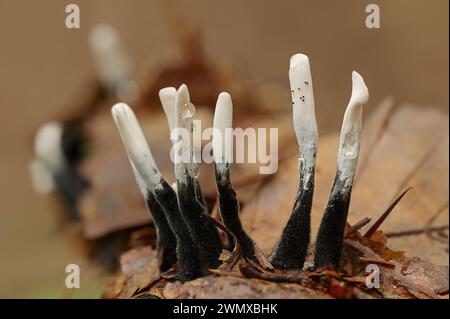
112, 62
360, 92
223, 115
300, 75
135, 144
167, 97
223, 120
350, 137
303, 107
183, 93
184, 109
299, 60
224, 97
119, 111
103, 36
47, 145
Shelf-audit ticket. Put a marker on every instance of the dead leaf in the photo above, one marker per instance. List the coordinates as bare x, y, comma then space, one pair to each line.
139, 268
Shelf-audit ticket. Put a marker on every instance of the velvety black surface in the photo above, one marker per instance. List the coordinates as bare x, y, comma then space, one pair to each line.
167, 242
293, 245
190, 265
70, 185
202, 230
229, 210
331, 232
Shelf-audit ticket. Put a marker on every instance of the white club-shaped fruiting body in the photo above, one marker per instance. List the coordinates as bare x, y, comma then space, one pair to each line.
112, 61
49, 157
136, 146
173, 236
350, 137
167, 97
190, 197
292, 248
304, 115
330, 238
222, 137
228, 203
182, 136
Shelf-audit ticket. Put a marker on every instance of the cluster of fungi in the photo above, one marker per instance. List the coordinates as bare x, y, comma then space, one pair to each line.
188, 237
193, 244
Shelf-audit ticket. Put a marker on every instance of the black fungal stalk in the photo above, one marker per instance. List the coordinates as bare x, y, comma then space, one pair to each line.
190, 264
229, 211
331, 233
292, 248
330, 238
195, 215
167, 242
57, 148
228, 202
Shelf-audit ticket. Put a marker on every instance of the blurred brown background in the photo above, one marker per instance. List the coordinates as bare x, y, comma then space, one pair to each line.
43, 67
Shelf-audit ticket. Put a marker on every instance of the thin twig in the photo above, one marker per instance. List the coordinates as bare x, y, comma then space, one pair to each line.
252, 270
377, 261
418, 231
363, 222
236, 254
383, 217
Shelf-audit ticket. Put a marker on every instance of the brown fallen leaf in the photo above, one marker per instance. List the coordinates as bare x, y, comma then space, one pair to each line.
139, 268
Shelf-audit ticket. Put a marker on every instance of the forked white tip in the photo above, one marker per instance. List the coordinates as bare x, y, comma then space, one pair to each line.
111, 58
350, 138
223, 122
182, 135
360, 92
167, 97
136, 145
184, 109
304, 114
